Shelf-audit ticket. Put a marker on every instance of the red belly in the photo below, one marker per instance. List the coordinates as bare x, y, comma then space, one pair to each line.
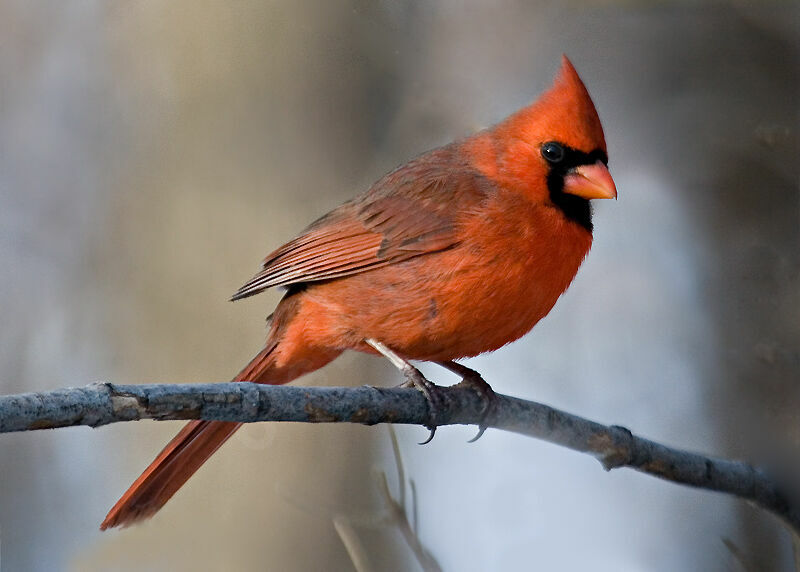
470, 299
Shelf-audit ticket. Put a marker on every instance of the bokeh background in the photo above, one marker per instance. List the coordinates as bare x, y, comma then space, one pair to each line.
152, 152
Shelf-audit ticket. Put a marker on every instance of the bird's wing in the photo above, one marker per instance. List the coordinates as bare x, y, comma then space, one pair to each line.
410, 212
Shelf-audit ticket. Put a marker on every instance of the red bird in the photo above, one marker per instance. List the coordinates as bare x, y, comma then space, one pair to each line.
458, 252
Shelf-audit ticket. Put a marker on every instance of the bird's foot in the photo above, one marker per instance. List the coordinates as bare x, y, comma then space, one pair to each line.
473, 380
488, 397
431, 391
414, 378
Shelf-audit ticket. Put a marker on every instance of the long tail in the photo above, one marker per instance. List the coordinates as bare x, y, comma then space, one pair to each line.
179, 460
192, 447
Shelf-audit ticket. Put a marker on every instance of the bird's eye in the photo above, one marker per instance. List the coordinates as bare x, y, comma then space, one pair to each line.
553, 152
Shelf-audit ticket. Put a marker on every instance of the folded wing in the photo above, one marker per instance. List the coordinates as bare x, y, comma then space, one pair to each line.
408, 213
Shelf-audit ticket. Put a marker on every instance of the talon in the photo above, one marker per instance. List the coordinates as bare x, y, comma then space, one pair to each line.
414, 378
472, 379
431, 391
430, 437
489, 398
481, 430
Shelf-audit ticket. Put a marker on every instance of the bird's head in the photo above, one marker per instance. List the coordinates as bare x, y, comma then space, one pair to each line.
554, 150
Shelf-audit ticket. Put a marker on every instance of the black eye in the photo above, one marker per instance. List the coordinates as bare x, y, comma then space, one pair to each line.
553, 152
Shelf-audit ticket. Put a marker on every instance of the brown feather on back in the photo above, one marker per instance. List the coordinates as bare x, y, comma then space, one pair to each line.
410, 212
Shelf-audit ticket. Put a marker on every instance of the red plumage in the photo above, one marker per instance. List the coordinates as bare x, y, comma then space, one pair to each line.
458, 252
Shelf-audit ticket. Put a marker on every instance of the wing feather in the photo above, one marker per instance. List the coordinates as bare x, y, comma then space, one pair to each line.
410, 212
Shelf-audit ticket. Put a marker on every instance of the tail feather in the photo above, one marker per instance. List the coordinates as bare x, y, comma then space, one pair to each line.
181, 458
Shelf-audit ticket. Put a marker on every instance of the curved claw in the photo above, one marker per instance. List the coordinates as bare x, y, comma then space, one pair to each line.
430, 390
472, 379
430, 437
481, 430
414, 378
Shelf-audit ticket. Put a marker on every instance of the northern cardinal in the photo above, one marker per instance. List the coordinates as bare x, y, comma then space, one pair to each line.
458, 252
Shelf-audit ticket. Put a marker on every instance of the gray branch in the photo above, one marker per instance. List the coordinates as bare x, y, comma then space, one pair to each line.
104, 403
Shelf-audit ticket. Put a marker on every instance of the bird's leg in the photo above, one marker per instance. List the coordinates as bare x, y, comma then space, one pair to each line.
472, 379
414, 378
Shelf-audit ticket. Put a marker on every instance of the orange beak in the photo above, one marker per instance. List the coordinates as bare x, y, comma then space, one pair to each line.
590, 182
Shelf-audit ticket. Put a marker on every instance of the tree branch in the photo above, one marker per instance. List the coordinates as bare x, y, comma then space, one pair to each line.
614, 446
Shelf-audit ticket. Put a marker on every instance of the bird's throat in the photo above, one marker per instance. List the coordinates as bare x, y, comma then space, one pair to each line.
576, 209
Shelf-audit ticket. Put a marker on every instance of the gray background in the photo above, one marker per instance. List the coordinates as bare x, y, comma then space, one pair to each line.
152, 152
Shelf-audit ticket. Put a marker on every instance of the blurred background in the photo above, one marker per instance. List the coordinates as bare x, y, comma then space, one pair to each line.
151, 154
